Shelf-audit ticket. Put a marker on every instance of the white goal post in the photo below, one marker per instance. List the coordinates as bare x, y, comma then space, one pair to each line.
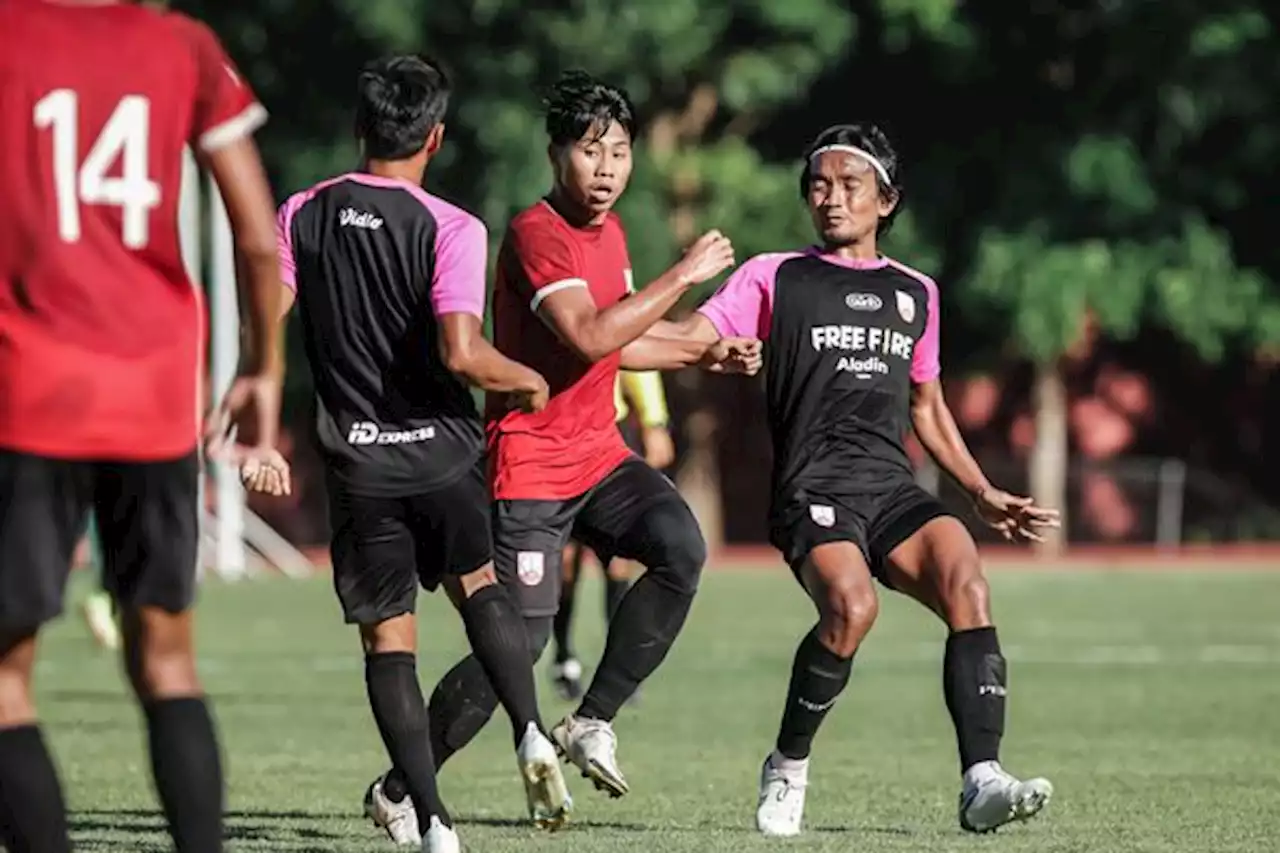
234, 541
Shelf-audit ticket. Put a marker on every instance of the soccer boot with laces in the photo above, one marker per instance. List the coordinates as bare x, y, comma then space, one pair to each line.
780, 809
544, 786
992, 798
593, 747
398, 820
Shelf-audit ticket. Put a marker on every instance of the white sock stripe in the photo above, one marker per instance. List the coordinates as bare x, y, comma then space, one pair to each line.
853, 149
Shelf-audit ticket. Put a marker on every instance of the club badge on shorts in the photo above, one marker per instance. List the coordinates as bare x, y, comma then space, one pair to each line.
530, 567
906, 306
823, 516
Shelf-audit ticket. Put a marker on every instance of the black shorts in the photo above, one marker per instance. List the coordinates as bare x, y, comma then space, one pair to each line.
383, 547
529, 535
148, 525
877, 522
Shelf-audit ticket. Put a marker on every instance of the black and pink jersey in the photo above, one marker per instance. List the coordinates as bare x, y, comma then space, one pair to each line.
845, 342
375, 263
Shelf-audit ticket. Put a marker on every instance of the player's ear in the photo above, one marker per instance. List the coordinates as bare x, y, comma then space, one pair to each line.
435, 139
888, 200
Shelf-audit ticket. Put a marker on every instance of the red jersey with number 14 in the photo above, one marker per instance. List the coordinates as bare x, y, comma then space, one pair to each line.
101, 330
574, 443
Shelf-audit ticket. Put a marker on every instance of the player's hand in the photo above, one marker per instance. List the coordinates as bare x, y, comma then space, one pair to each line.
711, 255
268, 474
244, 425
735, 355
1014, 517
659, 449
534, 398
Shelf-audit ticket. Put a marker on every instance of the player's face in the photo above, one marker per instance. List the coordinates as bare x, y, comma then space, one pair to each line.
593, 172
845, 199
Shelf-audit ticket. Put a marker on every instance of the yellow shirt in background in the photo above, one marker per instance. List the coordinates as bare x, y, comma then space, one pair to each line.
645, 392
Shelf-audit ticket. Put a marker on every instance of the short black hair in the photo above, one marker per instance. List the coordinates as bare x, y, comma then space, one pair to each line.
871, 139
578, 102
401, 99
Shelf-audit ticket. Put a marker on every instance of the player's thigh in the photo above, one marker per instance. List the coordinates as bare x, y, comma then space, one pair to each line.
148, 518
529, 537
44, 507
924, 550
636, 513
374, 555
824, 542
452, 529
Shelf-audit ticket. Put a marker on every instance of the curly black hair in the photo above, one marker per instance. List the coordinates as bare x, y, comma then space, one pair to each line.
871, 139
578, 103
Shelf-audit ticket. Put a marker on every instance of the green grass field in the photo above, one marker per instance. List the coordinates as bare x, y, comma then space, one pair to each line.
1152, 701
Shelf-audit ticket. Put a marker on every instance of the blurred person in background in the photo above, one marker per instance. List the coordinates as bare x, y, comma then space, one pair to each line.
389, 282
98, 607
100, 373
851, 362
641, 402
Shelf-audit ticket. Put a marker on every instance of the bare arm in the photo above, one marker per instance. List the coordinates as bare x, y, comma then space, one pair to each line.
594, 334
237, 169
469, 354
651, 352
937, 431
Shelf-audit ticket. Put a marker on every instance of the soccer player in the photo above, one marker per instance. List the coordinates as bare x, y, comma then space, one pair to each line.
100, 369
559, 306
390, 285
99, 608
639, 393
851, 356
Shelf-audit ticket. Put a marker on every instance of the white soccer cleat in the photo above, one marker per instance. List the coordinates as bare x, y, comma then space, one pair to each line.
398, 820
440, 839
780, 810
593, 747
544, 786
992, 798
99, 616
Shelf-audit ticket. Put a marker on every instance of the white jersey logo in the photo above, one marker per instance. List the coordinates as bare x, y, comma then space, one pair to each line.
367, 432
823, 516
350, 217
530, 567
906, 306
864, 302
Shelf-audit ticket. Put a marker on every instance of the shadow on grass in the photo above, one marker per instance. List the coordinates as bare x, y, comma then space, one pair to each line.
300, 831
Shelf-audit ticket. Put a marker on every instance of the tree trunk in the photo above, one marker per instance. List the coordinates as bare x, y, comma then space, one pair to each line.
1050, 454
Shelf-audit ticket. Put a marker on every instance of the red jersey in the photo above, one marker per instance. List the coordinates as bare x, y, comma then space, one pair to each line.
574, 443
101, 330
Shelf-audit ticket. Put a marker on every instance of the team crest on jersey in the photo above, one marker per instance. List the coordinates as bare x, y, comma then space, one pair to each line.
906, 306
823, 516
530, 567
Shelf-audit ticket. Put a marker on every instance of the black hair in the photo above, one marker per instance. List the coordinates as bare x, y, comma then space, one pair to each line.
401, 99
579, 102
872, 140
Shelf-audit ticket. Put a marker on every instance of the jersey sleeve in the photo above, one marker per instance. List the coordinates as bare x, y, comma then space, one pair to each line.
548, 260
648, 397
458, 282
743, 306
925, 358
284, 239
226, 109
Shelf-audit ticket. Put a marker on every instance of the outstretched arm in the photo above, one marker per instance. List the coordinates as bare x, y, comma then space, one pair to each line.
938, 432
689, 342
466, 352
567, 307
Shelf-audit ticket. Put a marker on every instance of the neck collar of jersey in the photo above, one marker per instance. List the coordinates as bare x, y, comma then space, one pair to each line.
878, 262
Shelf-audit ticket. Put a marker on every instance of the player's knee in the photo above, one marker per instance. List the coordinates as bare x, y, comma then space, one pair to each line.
397, 634
159, 654
846, 615
676, 551
17, 659
538, 629
964, 593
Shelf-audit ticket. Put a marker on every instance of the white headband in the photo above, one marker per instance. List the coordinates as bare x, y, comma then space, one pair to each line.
865, 155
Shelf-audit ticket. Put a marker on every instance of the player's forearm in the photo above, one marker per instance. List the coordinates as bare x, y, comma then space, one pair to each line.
695, 327
938, 432
621, 324
261, 309
484, 367
651, 352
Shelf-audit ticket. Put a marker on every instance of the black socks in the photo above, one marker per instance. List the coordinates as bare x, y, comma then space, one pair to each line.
33, 817
973, 682
396, 700
818, 677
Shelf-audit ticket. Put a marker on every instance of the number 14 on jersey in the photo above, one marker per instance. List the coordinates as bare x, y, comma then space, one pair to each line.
123, 138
